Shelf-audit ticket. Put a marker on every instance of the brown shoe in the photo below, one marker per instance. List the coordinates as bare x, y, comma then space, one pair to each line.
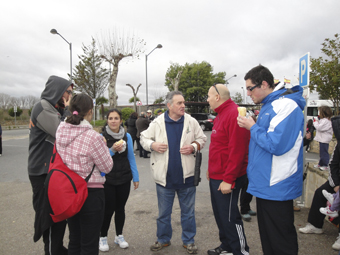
297, 209
158, 246
191, 248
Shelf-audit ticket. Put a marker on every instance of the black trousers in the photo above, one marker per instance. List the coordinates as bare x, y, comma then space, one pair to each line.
245, 199
142, 152
53, 236
85, 225
276, 226
315, 217
115, 201
228, 218
0, 144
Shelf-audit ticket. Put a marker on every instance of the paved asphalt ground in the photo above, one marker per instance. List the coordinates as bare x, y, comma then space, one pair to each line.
16, 213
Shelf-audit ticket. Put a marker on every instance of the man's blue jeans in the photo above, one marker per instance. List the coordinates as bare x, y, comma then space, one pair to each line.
186, 199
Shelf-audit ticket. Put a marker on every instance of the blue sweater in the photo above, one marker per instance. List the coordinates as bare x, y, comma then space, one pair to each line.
275, 163
174, 176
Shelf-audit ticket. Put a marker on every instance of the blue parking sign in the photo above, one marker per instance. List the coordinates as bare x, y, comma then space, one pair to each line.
304, 70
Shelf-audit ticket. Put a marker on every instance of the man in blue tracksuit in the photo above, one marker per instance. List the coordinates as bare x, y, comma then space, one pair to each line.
275, 162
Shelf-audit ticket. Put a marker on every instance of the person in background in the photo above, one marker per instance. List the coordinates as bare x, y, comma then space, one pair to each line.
309, 134
159, 112
315, 217
0, 141
46, 116
150, 117
118, 181
142, 124
324, 135
245, 197
80, 148
131, 127
228, 159
275, 166
171, 139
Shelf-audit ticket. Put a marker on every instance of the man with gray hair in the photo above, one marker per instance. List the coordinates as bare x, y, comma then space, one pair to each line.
173, 138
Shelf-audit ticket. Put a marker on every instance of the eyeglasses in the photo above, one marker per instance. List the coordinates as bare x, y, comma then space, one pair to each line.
69, 92
216, 89
252, 88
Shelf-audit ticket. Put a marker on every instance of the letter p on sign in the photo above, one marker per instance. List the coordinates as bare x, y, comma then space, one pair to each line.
304, 70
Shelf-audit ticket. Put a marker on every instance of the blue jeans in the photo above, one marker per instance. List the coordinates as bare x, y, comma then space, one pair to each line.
186, 199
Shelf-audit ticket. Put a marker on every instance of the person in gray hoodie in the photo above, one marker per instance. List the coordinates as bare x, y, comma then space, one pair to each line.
45, 118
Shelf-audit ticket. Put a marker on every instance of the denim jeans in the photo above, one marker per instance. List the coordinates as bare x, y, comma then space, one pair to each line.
186, 199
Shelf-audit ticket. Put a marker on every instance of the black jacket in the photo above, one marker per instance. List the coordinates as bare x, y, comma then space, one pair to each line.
334, 165
121, 170
131, 127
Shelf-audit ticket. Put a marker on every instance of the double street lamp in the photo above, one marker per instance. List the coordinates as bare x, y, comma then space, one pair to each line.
159, 46
230, 78
55, 32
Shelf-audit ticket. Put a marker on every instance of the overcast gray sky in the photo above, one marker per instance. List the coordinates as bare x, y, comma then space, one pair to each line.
233, 36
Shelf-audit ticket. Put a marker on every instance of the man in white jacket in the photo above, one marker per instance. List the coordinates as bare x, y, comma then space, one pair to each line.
171, 139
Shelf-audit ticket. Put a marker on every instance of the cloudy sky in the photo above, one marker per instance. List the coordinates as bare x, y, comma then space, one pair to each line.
233, 36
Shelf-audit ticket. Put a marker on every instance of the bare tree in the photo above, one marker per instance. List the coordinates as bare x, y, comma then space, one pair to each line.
134, 94
114, 47
31, 101
4, 100
175, 81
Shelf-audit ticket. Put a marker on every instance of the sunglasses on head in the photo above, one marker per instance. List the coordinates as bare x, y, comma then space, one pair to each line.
216, 89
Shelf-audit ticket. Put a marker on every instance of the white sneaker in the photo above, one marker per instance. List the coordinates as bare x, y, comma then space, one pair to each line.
324, 168
328, 212
316, 166
336, 245
103, 246
328, 196
310, 229
122, 243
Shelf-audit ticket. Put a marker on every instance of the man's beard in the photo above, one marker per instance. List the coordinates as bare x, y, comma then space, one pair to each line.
61, 103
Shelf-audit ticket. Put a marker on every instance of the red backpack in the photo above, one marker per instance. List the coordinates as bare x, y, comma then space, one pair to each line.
66, 190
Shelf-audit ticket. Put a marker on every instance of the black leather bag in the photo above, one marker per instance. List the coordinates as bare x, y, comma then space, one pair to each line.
198, 162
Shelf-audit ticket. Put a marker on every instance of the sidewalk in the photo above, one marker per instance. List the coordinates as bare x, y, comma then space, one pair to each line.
16, 226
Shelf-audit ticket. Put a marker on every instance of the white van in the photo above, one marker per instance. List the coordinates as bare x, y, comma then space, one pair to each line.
313, 105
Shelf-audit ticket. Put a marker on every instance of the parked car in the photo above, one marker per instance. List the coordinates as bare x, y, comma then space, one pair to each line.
206, 120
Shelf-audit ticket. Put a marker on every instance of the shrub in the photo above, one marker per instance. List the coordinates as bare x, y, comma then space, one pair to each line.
11, 112
126, 112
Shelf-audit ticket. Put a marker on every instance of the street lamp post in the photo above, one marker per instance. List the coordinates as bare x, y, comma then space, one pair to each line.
230, 78
244, 95
55, 32
146, 72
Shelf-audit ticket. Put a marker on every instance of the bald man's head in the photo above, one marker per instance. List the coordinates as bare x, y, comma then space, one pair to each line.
217, 95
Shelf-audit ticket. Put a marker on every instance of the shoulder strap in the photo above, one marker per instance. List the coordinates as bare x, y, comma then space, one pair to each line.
87, 177
198, 145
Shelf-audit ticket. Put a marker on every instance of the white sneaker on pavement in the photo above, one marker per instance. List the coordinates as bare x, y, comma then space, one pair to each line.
310, 229
336, 245
121, 241
328, 212
328, 196
324, 168
103, 246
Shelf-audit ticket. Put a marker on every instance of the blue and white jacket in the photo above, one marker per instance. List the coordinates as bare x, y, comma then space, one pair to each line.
275, 164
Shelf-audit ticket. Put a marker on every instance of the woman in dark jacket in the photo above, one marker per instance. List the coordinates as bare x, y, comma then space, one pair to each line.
131, 127
118, 181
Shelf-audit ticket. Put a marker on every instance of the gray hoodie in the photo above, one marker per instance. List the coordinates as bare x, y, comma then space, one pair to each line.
45, 119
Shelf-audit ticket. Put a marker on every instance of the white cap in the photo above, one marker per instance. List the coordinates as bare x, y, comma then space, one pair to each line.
149, 111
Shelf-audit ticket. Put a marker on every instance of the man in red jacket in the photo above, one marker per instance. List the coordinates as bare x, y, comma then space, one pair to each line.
228, 159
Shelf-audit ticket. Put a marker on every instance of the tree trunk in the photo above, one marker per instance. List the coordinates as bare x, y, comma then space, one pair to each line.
112, 87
